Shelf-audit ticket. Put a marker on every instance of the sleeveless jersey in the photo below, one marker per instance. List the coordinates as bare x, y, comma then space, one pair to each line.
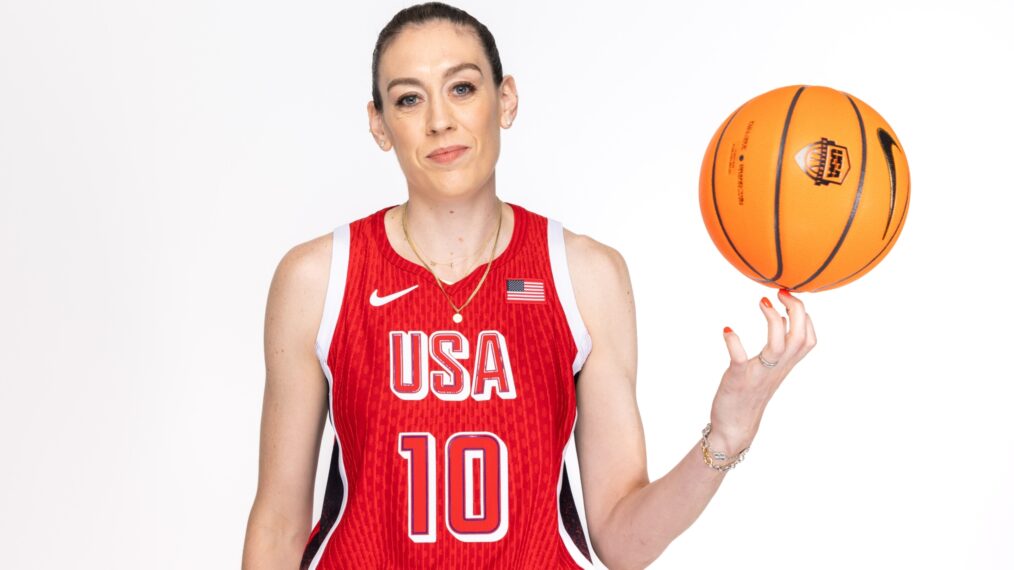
454, 442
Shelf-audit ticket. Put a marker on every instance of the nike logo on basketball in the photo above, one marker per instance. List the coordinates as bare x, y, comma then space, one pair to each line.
886, 144
377, 300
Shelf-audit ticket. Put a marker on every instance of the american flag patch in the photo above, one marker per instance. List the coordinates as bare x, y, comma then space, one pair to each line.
526, 291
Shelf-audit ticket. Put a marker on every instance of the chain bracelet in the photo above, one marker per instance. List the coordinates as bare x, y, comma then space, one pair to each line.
710, 455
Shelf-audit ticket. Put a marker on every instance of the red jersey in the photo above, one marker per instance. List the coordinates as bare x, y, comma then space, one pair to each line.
454, 442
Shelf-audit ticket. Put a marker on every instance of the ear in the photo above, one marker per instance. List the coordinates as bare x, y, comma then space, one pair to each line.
508, 101
377, 126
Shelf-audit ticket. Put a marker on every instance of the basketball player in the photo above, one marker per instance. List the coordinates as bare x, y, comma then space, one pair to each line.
442, 341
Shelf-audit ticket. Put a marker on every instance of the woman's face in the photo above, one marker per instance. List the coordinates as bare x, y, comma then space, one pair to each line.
437, 89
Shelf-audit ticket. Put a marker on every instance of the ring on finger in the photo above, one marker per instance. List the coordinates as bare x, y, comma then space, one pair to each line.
765, 362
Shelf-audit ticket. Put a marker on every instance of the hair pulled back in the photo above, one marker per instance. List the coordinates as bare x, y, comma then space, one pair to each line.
428, 12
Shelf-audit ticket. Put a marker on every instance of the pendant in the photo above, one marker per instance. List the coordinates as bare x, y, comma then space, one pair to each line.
457, 317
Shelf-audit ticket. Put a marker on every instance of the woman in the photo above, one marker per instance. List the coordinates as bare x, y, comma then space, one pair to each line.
449, 332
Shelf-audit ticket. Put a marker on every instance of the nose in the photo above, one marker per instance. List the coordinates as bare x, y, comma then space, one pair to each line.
440, 118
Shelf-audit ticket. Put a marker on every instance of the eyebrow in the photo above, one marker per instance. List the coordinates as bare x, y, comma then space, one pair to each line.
451, 71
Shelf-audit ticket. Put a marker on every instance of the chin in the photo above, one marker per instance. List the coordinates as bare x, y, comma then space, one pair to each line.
457, 184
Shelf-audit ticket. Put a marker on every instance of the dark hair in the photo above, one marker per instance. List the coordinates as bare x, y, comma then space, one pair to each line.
422, 13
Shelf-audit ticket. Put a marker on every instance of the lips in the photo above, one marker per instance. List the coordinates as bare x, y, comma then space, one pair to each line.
448, 154
445, 150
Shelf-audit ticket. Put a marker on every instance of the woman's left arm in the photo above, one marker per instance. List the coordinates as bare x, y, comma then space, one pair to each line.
631, 519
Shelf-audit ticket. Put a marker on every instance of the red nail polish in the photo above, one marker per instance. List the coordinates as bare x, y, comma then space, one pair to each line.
766, 302
727, 329
784, 291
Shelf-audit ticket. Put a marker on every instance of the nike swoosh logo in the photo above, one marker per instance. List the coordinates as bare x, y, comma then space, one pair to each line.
377, 300
886, 144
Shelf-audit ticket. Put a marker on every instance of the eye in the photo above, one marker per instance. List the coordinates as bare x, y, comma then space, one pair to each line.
468, 85
401, 101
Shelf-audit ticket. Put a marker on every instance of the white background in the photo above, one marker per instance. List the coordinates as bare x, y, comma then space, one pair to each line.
157, 159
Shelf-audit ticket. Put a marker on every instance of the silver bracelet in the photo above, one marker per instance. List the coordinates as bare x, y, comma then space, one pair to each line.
710, 455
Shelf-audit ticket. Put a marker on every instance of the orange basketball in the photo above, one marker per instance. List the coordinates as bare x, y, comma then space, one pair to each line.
804, 187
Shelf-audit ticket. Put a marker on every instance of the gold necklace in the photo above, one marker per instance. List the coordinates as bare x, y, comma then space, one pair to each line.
457, 318
426, 259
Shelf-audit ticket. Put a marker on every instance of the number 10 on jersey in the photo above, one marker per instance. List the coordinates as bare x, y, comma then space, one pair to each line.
475, 485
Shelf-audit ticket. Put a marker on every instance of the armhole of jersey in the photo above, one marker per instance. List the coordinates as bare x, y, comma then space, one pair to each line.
329, 519
565, 292
570, 469
335, 293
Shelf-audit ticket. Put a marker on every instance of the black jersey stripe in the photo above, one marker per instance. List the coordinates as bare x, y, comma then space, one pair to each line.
334, 496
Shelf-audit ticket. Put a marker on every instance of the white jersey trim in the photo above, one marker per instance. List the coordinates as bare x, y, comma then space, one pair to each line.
565, 292
340, 244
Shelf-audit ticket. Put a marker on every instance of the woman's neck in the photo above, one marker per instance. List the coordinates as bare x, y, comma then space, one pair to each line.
456, 234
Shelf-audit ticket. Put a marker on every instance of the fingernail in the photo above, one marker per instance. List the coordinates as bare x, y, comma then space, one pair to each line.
766, 302
727, 329
784, 292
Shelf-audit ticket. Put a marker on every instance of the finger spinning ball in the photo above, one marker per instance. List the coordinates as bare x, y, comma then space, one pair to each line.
804, 188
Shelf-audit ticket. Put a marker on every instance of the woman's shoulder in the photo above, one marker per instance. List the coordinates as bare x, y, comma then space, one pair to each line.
308, 262
598, 273
302, 272
592, 261
584, 253
601, 282
585, 247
